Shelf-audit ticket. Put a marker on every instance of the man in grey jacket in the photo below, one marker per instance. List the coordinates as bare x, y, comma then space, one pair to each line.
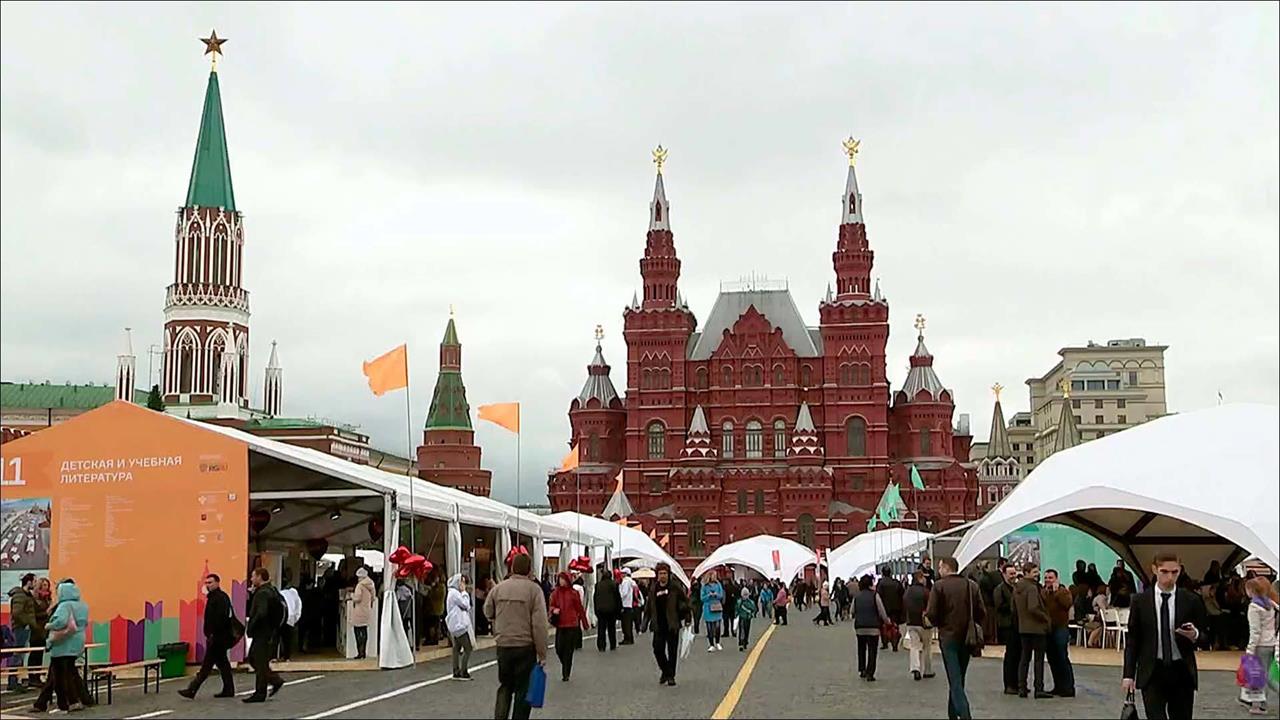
1033, 626
518, 610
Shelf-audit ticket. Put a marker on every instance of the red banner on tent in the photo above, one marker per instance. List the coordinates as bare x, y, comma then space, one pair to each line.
777, 560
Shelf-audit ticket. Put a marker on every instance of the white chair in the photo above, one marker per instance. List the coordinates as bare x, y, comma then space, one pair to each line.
1122, 619
1110, 626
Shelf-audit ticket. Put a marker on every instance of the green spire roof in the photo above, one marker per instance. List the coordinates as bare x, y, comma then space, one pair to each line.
210, 184
449, 409
450, 335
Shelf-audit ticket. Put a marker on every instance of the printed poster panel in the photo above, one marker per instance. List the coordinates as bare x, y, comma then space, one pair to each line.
136, 507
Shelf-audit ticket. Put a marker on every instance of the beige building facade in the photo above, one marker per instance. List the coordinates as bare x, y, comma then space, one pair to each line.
1109, 387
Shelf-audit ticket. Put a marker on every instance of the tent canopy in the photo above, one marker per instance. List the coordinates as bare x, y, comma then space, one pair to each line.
865, 551
757, 554
628, 542
1201, 484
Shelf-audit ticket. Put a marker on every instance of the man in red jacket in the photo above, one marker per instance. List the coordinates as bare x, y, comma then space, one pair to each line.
570, 619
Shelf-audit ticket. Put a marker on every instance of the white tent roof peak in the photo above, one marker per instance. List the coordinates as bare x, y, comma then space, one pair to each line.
1159, 486
757, 553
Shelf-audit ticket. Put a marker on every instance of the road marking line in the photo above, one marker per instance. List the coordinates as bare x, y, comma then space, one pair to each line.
725, 709
391, 694
157, 713
299, 681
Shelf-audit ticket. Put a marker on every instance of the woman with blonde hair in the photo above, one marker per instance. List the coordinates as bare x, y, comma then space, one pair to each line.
1262, 639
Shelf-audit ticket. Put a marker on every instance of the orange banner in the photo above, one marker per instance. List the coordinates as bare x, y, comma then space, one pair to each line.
506, 415
388, 372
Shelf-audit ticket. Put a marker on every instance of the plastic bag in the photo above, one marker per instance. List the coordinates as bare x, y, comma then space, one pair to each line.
686, 642
1250, 674
537, 687
1274, 671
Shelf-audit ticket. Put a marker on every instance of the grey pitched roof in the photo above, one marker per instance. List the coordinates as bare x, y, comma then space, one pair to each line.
1068, 435
804, 421
998, 440
776, 305
699, 423
921, 376
598, 384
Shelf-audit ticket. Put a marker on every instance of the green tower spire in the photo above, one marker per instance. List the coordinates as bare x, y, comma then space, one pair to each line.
210, 184
449, 409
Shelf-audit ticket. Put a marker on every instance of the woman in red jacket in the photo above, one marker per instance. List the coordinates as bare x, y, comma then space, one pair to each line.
570, 619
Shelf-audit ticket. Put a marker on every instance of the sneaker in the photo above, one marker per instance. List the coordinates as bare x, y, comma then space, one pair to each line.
187, 693
719, 646
711, 648
1256, 710
75, 707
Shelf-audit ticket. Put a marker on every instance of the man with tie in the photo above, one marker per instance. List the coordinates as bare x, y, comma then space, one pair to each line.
1160, 652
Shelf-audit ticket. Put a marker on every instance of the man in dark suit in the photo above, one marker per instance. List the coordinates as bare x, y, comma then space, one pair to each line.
1160, 651
219, 638
266, 615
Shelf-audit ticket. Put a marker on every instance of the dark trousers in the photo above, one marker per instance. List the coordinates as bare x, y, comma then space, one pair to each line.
514, 666
666, 650
65, 680
744, 631
824, 616
868, 647
215, 655
1012, 652
1032, 651
955, 659
606, 624
287, 636
362, 640
260, 654
1064, 677
779, 615
1169, 695
713, 633
628, 625
567, 641
697, 619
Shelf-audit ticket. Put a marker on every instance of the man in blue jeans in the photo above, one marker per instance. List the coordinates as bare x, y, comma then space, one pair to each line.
955, 605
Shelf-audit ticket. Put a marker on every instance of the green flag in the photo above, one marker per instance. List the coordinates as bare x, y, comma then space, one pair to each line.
916, 481
887, 510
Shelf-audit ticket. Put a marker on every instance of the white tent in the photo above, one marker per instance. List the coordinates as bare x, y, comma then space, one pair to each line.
757, 553
1202, 484
864, 552
627, 542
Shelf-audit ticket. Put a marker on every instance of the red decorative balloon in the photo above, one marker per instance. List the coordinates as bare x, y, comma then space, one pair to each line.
258, 521
517, 550
375, 529
403, 572
317, 547
398, 555
424, 569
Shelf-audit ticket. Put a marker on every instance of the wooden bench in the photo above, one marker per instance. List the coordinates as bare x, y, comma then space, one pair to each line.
108, 674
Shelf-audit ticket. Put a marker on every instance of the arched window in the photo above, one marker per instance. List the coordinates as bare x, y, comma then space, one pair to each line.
216, 348
992, 495
755, 439
726, 439
864, 374
806, 376
742, 502
697, 535
779, 376
593, 447
804, 528
752, 376
926, 443
646, 379
664, 378
855, 433
702, 378
846, 374
779, 438
759, 501
726, 376
186, 363
657, 441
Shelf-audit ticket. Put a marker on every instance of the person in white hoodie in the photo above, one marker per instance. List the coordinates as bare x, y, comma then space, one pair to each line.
458, 621
627, 588
289, 633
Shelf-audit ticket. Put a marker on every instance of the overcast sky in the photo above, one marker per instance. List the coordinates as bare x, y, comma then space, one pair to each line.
1033, 177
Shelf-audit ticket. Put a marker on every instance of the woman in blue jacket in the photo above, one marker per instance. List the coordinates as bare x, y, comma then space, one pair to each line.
712, 610
65, 635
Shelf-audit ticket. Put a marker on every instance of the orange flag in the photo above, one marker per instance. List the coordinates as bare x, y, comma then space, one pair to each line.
666, 537
653, 534
570, 461
506, 415
388, 372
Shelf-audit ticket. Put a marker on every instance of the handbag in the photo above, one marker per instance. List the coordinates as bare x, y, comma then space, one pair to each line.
974, 639
537, 687
66, 631
1129, 711
891, 633
717, 607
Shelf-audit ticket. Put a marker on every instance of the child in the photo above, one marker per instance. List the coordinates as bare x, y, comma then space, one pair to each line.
745, 611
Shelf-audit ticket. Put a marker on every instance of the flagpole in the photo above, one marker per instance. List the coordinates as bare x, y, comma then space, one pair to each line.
537, 570
408, 432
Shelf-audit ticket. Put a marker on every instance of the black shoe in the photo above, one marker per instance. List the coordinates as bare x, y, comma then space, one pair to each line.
226, 694
662, 680
1042, 695
871, 678
1064, 693
1010, 691
187, 693
564, 678
671, 682
275, 688
1023, 693
915, 674
929, 675
255, 699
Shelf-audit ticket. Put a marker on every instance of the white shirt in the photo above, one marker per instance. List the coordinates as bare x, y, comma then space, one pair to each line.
1173, 614
628, 591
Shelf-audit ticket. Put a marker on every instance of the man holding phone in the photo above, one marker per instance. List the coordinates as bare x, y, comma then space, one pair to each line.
1160, 652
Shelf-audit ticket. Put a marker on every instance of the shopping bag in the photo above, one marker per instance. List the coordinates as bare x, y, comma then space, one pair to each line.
1274, 671
686, 641
1129, 711
537, 687
1251, 675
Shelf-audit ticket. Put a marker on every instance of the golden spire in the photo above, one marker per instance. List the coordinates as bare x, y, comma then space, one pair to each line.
920, 324
213, 45
996, 389
1065, 386
851, 149
450, 309
659, 157
599, 333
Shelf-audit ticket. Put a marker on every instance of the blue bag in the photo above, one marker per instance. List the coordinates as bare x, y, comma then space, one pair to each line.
537, 687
